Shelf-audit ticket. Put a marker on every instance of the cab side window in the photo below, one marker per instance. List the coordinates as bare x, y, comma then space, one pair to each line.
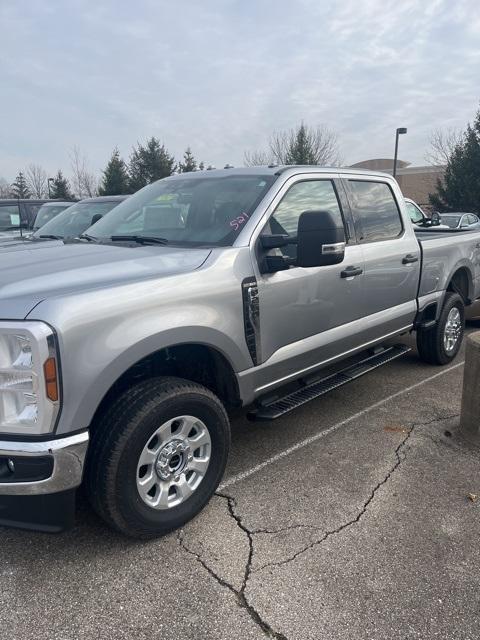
316, 195
377, 216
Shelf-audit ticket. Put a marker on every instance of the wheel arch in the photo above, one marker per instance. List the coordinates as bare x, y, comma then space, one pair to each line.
461, 282
194, 361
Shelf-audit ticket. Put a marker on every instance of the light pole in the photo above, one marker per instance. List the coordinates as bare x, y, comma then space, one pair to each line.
53, 180
400, 131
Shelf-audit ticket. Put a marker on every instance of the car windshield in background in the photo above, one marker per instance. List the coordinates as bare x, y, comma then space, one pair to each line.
450, 221
47, 213
75, 220
189, 212
415, 214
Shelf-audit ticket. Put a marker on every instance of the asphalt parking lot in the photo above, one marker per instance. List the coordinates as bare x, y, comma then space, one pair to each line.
347, 519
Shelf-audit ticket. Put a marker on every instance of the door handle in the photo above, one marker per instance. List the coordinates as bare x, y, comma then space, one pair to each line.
409, 258
349, 272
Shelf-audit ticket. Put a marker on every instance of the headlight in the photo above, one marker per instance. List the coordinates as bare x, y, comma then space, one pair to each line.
29, 386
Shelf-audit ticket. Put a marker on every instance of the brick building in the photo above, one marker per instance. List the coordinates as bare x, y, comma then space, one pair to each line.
415, 182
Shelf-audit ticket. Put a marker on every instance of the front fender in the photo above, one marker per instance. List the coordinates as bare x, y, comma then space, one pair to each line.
79, 411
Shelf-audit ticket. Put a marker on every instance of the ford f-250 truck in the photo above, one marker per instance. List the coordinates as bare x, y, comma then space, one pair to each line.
121, 354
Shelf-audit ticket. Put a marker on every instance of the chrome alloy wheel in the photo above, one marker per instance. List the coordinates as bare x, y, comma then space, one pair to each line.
173, 462
453, 330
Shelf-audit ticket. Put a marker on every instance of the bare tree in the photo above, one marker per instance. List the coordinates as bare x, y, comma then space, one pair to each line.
257, 158
5, 189
85, 183
442, 144
36, 177
301, 145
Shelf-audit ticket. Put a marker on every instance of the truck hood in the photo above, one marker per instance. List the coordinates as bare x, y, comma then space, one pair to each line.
28, 276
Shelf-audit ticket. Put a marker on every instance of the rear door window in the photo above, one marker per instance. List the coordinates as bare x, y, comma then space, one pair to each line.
375, 210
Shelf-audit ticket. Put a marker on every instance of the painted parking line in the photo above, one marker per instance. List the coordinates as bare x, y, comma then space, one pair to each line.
304, 443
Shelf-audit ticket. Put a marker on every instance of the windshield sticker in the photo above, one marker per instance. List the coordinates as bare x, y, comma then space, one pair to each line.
238, 221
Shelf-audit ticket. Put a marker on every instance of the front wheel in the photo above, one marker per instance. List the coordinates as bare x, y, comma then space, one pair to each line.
157, 456
441, 343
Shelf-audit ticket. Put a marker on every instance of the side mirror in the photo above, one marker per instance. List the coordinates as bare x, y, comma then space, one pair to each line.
436, 219
320, 239
96, 218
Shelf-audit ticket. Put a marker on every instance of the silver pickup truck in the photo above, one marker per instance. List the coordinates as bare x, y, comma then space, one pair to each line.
122, 353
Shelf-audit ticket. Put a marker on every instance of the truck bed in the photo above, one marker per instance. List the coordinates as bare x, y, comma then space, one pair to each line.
444, 253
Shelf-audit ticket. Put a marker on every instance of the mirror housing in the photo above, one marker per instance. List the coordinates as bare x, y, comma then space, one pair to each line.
320, 240
275, 241
436, 219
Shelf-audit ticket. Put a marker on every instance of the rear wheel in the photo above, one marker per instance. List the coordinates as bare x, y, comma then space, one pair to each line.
158, 456
441, 343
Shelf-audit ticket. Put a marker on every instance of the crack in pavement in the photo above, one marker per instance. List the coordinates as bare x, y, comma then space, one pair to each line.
346, 525
240, 595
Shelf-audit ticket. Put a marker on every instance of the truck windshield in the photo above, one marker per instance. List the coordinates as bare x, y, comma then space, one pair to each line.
47, 213
73, 221
190, 211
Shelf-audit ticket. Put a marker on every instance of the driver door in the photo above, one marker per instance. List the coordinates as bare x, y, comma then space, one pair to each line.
307, 315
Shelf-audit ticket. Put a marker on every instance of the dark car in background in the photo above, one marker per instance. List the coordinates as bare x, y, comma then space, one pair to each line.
76, 219
48, 211
19, 213
460, 220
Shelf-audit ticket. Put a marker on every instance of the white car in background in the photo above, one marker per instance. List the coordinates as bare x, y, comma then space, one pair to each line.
420, 219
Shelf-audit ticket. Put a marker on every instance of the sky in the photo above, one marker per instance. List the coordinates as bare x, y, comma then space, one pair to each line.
221, 75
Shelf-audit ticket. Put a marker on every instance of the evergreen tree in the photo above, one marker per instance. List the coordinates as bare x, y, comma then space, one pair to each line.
60, 188
189, 163
301, 148
115, 176
301, 145
460, 188
20, 187
201, 166
149, 163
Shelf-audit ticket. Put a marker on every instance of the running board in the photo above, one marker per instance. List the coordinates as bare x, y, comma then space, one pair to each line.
281, 406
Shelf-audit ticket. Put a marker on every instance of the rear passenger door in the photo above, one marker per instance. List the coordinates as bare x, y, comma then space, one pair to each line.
391, 255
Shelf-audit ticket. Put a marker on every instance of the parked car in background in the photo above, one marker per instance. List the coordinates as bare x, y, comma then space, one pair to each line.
19, 213
461, 220
420, 219
73, 221
48, 211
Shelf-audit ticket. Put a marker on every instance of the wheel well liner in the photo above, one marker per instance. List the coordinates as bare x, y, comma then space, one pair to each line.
196, 362
461, 283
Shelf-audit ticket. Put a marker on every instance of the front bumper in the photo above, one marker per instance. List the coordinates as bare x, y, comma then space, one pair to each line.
38, 481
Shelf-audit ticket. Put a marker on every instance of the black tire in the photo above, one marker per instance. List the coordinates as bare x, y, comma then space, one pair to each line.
430, 342
118, 441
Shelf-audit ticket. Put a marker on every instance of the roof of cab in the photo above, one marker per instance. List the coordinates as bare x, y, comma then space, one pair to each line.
276, 170
55, 203
106, 198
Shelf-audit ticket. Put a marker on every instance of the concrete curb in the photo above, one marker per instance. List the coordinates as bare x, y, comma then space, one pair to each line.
470, 416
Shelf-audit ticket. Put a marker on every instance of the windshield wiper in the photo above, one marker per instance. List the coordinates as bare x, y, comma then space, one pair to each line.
50, 237
140, 239
85, 236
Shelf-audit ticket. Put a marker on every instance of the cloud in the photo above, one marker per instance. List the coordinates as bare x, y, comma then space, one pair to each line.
220, 76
